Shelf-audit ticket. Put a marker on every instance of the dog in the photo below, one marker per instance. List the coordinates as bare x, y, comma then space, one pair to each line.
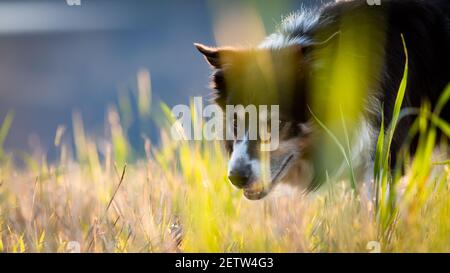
291, 68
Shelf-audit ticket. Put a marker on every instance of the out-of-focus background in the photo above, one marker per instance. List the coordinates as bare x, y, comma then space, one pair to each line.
56, 59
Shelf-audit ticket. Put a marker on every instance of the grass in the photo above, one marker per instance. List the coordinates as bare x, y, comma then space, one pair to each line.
177, 199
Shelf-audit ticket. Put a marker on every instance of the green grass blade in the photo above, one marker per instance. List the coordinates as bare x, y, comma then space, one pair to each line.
397, 107
349, 152
443, 99
4, 129
337, 142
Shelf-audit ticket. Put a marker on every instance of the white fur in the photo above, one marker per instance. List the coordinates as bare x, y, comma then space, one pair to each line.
240, 156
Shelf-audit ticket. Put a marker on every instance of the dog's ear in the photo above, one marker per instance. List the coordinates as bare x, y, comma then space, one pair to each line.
321, 43
216, 57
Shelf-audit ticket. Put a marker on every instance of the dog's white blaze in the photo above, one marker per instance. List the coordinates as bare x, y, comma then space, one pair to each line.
256, 168
239, 155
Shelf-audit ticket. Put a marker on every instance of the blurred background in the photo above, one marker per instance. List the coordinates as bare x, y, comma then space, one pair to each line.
57, 59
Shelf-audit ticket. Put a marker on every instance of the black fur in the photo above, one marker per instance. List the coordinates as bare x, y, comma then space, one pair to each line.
425, 26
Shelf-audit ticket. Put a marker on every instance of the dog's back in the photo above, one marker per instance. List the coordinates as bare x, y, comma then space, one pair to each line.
425, 26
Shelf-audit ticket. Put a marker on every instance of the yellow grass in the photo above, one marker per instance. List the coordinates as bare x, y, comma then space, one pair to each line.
178, 199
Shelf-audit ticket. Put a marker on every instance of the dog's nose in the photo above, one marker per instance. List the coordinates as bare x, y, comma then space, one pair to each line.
239, 178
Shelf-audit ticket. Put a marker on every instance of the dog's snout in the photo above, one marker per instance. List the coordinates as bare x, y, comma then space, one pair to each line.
240, 178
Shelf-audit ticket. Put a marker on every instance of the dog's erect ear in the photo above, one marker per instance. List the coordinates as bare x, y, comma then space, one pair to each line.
321, 43
217, 57
211, 54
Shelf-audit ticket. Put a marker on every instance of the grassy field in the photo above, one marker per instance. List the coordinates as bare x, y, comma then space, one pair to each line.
177, 199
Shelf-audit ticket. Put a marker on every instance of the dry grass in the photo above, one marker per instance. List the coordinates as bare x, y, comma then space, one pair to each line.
178, 199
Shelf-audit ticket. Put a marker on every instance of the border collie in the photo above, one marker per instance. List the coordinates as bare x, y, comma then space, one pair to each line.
294, 68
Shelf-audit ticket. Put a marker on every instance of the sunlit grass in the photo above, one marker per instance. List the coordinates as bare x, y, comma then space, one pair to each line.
177, 197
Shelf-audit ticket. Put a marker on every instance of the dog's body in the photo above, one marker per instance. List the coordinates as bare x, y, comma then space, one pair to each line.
300, 54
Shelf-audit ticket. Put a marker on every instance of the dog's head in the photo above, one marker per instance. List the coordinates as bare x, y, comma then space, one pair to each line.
264, 77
